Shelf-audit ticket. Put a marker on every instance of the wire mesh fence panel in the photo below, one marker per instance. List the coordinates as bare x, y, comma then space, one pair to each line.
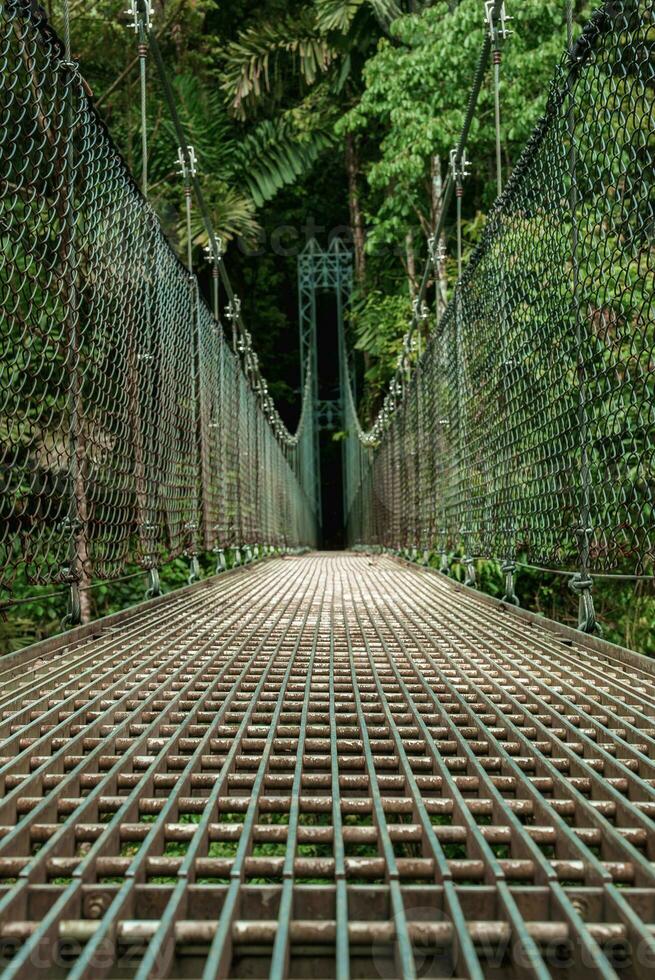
537, 386
129, 432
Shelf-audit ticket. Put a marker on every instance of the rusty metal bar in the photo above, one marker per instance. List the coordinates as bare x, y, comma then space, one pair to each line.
329, 765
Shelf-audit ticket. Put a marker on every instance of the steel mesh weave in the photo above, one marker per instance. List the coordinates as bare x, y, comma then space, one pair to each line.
528, 426
129, 431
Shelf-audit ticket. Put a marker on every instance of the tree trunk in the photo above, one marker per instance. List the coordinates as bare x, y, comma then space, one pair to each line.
356, 220
411, 264
440, 267
356, 216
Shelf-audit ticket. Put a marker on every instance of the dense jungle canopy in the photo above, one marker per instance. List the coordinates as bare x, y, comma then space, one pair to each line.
321, 117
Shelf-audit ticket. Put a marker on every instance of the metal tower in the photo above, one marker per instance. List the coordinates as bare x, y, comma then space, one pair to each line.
323, 269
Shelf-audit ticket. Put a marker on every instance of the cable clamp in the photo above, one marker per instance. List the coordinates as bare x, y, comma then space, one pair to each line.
214, 249
497, 23
187, 161
459, 168
153, 586
194, 569
470, 579
436, 250
420, 311
72, 67
233, 312
582, 584
141, 11
73, 615
508, 568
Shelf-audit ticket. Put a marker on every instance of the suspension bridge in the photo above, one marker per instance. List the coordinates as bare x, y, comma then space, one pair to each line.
312, 763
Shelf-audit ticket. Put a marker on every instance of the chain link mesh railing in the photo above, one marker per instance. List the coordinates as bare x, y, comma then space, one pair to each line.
527, 427
131, 431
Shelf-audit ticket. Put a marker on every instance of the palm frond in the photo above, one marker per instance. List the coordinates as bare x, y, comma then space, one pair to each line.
232, 213
338, 15
274, 155
206, 124
252, 60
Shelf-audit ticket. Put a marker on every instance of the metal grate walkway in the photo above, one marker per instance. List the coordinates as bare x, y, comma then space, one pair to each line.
325, 766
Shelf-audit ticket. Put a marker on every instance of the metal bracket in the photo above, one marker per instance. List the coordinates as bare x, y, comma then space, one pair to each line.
459, 169
508, 568
582, 586
436, 250
73, 615
187, 169
497, 25
138, 11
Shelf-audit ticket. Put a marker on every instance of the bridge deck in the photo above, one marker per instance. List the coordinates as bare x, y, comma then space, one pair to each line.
326, 764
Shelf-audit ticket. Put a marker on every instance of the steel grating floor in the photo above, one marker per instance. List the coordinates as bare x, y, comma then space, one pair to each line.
327, 766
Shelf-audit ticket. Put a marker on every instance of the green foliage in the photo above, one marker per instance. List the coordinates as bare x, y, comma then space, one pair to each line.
416, 92
267, 93
378, 322
257, 61
274, 155
338, 15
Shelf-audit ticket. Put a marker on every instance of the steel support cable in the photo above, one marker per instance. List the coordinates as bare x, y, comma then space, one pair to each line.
501, 520
578, 55
218, 268
197, 189
458, 163
98, 460
448, 189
